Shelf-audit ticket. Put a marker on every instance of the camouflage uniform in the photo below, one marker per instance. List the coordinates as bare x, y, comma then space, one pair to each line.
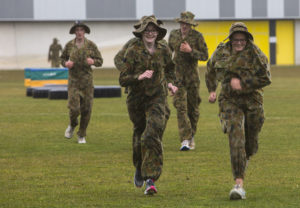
241, 111
119, 57
146, 103
121, 66
187, 99
80, 83
53, 54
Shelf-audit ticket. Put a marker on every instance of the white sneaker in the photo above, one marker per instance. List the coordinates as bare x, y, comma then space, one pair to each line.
81, 140
192, 144
237, 193
69, 132
185, 145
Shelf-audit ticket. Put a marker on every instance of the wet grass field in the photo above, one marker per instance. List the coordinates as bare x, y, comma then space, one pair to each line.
39, 168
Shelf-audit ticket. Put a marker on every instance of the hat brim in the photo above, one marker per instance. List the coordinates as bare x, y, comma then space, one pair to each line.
137, 25
249, 35
86, 29
161, 31
187, 22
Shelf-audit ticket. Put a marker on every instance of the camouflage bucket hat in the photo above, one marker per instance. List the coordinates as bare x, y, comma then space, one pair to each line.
137, 25
187, 17
239, 27
150, 20
79, 24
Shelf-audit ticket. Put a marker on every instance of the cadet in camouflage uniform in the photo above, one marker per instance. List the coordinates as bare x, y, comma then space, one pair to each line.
243, 71
78, 56
147, 64
54, 52
119, 58
189, 47
120, 64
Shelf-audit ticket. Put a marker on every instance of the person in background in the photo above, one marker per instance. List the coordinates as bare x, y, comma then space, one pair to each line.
78, 56
243, 70
54, 53
147, 64
189, 47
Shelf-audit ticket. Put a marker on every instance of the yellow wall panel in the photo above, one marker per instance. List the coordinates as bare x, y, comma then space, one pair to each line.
215, 32
285, 51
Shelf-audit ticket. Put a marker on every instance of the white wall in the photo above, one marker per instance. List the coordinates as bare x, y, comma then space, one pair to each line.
26, 44
59, 9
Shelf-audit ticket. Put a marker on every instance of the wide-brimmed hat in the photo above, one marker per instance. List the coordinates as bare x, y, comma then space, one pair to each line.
187, 17
150, 20
80, 24
138, 24
239, 27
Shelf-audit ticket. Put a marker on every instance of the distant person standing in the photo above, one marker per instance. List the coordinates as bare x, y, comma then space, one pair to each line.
78, 56
147, 64
189, 47
54, 53
243, 70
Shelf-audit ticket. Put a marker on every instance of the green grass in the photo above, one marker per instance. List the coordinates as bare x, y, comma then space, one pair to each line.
39, 168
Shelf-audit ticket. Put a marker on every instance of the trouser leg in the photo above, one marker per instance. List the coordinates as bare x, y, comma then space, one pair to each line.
232, 120
167, 116
184, 124
193, 100
151, 143
137, 116
74, 106
86, 104
253, 124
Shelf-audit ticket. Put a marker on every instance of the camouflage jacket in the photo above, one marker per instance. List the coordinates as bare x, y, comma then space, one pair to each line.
187, 63
119, 57
137, 60
250, 66
81, 71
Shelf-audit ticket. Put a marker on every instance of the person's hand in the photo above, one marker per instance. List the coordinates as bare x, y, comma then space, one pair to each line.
235, 84
185, 47
90, 61
173, 89
146, 75
69, 64
212, 97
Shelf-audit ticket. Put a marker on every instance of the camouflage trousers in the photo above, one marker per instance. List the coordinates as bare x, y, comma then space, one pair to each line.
187, 101
80, 102
149, 116
242, 120
55, 63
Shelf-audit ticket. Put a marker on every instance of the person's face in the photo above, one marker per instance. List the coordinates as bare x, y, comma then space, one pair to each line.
185, 28
150, 34
238, 41
79, 32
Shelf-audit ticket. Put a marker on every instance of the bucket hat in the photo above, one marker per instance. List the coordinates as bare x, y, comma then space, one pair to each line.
137, 25
187, 17
148, 20
239, 27
79, 24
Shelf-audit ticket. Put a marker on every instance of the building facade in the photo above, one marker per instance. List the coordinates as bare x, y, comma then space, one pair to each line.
28, 26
